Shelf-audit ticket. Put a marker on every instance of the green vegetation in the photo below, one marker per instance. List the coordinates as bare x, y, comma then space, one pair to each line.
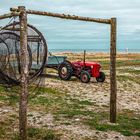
65, 108
69, 108
119, 63
2, 131
44, 134
131, 71
60, 104
126, 78
9, 95
39, 134
128, 126
82, 102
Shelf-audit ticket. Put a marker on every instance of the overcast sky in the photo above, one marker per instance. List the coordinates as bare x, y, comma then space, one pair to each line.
81, 35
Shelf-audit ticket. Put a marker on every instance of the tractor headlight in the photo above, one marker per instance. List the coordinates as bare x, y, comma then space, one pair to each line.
92, 67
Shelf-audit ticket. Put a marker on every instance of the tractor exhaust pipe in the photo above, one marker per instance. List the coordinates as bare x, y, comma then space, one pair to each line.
84, 57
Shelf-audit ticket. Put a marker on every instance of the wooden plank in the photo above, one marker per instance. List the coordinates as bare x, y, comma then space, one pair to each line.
64, 16
113, 84
24, 74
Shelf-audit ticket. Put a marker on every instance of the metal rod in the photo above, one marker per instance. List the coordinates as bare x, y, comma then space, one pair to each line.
38, 45
84, 57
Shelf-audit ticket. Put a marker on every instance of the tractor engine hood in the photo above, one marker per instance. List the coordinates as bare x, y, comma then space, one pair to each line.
87, 63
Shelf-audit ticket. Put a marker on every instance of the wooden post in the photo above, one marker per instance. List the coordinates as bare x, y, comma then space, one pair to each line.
113, 84
24, 61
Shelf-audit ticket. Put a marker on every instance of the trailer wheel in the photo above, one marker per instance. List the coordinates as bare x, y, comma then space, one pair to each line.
101, 78
85, 77
65, 70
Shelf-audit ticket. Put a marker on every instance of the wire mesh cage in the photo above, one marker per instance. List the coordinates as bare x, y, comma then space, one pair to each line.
10, 64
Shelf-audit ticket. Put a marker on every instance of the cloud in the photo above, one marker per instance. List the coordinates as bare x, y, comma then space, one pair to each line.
126, 11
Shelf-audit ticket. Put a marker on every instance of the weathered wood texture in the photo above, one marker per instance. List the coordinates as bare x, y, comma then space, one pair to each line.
113, 84
9, 15
64, 16
24, 61
12, 28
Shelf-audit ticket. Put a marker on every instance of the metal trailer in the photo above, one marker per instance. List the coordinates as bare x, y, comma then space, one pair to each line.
52, 62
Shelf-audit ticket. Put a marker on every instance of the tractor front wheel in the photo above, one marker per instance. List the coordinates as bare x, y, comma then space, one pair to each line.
65, 70
101, 78
85, 77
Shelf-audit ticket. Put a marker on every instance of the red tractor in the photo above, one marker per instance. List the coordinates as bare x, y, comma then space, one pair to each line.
82, 70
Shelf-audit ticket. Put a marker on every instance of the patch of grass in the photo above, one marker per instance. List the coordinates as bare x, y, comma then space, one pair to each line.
2, 132
136, 72
15, 136
10, 95
39, 134
43, 134
58, 102
2, 89
49, 90
127, 126
126, 78
66, 123
82, 102
13, 99
34, 92
6, 128
73, 111
119, 63
41, 101
3, 98
130, 71
128, 63
9, 99
49, 100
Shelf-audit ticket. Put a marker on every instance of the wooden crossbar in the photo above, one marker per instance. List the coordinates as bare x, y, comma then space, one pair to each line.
64, 16
9, 15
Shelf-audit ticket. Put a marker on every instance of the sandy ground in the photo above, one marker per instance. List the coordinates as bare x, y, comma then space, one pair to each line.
128, 98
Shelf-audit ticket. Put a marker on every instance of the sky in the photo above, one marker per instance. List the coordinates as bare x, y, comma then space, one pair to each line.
68, 34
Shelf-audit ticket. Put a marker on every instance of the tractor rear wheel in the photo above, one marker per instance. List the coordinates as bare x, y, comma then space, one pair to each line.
85, 77
65, 70
101, 78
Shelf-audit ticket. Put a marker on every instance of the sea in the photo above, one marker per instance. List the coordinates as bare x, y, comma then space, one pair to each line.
95, 50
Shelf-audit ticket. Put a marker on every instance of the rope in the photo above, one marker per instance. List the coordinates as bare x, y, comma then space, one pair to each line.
12, 20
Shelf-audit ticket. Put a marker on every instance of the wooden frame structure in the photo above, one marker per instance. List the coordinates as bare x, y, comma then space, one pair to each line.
22, 13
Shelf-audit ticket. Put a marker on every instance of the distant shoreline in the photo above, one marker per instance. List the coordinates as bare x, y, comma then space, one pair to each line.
93, 50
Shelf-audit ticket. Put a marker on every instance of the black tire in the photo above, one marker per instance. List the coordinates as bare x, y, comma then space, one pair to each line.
85, 77
65, 70
101, 78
